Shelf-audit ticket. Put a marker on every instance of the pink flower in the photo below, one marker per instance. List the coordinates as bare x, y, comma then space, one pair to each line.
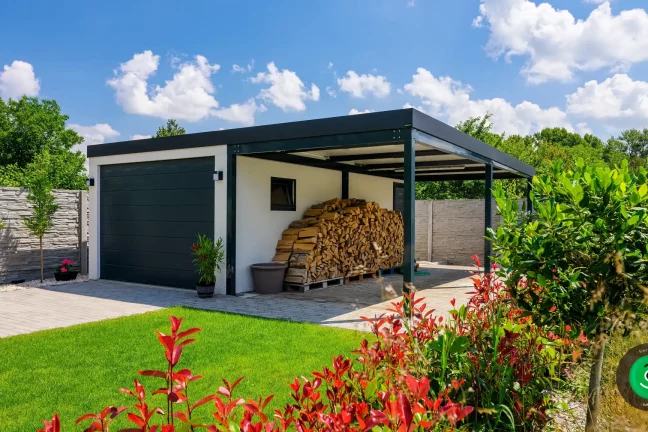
63, 270
67, 262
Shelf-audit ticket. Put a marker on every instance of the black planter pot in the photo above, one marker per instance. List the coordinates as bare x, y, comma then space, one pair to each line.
67, 276
205, 291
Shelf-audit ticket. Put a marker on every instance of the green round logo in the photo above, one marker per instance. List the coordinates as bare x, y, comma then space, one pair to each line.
632, 377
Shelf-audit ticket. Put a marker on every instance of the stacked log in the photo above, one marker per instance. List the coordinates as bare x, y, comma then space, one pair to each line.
341, 238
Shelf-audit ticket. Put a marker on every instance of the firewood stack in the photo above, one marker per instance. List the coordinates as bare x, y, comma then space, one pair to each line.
341, 238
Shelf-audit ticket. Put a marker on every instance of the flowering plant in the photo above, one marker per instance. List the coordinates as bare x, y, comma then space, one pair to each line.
65, 266
208, 257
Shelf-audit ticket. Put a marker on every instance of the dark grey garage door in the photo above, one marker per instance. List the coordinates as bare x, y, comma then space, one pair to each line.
150, 215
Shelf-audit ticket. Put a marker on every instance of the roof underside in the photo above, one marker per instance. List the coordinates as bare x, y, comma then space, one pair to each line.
368, 144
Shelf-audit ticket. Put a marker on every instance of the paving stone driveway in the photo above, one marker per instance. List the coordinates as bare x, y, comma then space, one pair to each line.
33, 309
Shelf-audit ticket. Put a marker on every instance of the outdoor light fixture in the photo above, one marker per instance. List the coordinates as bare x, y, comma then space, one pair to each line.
90, 182
218, 175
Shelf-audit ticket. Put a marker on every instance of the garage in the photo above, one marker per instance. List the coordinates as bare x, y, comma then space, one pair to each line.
149, 198
150, 214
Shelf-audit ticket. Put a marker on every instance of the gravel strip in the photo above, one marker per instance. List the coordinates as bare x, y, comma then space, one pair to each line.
37, 283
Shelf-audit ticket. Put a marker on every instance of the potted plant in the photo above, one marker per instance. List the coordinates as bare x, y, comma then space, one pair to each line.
208, 257
63, 272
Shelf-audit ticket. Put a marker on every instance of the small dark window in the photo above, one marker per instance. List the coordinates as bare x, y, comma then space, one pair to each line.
399, 197
282, 194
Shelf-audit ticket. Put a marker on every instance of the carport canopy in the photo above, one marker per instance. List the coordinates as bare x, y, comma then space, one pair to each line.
403, 144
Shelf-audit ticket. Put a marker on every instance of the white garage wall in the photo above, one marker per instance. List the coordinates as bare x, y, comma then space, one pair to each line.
370, 188
220, 196
258, 228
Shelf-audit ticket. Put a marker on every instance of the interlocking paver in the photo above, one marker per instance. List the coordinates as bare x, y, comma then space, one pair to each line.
33, 309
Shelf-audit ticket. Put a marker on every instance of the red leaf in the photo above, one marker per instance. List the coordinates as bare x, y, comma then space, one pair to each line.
203, 401
404, 409
86, 417
222, 390
186, 333
135, 419
175, 323
181, 416
153, 373
166, 341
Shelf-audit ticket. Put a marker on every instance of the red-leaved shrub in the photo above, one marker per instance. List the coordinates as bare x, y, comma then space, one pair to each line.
487, 367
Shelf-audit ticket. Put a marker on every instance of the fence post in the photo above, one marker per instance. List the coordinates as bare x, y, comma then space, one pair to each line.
430, 231
83, 231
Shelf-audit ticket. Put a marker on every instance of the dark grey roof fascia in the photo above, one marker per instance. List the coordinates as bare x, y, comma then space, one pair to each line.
380, 121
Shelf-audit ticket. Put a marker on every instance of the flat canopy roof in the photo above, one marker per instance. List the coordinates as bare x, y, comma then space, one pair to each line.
367, 143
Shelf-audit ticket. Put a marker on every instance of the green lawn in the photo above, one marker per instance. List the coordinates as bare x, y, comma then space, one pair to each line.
79, 369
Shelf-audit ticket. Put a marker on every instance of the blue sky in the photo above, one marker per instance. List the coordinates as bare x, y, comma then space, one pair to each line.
572, 63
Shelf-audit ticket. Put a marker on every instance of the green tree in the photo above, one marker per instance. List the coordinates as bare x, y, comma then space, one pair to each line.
30, 127
171, 129
66, 170
581, 260
40, 221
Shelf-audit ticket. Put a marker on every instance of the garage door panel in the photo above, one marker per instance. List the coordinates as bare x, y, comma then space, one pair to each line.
151, 260
157, 228
150, 215
159, 167
174, 181
179, 197
146, 244
164, 277
194, 213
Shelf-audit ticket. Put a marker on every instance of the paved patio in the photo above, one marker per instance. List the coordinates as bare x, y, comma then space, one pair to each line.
33, 309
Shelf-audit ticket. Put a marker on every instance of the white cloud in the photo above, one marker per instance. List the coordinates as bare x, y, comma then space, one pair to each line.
356, 112
187, 96
451, 100
243, 69
557, 45
331, 92
140, 137
97, 134
241, 113
617, 101
18, 80
330, 65
361, 85
286, 90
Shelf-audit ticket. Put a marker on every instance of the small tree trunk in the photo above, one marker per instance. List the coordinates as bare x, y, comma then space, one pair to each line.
594, 391
40, 241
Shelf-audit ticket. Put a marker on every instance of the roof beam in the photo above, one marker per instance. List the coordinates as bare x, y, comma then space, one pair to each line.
318, 163
428, 164
461, 177
388, 155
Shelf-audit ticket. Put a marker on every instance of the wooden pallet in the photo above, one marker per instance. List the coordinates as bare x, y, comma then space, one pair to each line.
361, 276
289, 286
390, 271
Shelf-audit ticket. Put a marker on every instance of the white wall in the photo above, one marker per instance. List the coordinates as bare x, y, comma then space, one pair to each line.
370, 188
258, 228
220, 195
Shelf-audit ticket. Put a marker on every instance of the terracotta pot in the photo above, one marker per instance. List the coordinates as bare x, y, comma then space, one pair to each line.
205, 290
67, 276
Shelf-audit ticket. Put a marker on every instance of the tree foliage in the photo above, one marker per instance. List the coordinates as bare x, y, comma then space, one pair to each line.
541, 150
172, 128
29, 128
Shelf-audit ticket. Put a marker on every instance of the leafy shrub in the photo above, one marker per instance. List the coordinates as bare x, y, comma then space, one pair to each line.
486, 368
582, 258
580, 261
508, 363
378, 393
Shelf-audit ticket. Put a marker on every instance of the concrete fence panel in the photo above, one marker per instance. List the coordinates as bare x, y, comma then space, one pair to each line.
19, 250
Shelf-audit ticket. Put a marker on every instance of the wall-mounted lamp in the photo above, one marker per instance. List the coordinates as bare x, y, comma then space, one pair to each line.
90, 182
218, 175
